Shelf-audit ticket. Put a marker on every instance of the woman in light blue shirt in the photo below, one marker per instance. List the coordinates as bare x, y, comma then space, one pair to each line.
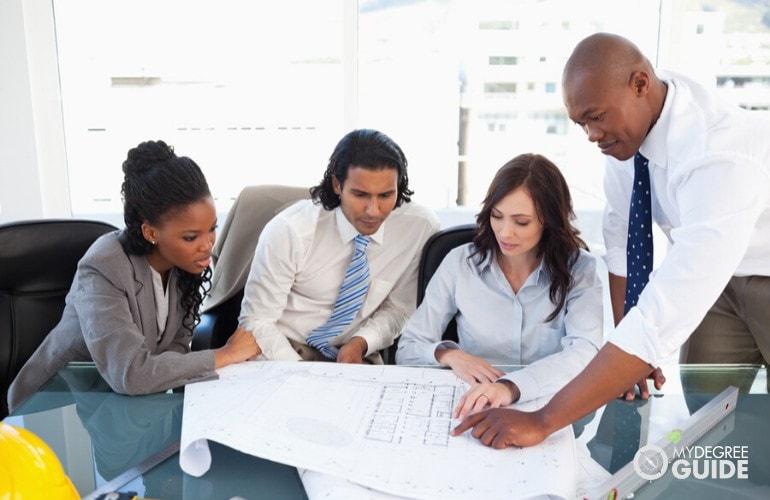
524, 292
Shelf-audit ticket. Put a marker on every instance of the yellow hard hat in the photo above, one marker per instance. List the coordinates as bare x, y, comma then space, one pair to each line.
29, 469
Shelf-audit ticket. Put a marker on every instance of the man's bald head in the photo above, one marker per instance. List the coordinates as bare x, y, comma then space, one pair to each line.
606, 56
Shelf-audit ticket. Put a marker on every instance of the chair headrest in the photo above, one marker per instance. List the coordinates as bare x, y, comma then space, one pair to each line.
42, 254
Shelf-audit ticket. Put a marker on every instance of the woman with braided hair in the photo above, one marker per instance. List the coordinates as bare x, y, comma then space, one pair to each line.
137, 292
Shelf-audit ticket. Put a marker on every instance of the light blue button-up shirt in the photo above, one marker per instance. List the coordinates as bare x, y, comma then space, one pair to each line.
507, 328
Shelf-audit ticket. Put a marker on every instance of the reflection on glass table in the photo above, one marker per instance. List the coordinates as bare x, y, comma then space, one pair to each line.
98, 435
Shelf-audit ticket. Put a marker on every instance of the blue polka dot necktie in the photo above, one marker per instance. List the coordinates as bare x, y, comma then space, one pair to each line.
639, 245
349, 301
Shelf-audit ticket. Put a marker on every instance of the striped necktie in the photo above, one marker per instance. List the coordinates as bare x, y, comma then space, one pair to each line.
349, 301
639, 245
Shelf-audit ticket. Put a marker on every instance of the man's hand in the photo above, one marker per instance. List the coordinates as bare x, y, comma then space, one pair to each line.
353, 351
644, 392
503, 427
469, 368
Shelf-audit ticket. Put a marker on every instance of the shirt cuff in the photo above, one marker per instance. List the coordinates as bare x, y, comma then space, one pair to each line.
528, 388
280, 353
615, 258
275, 347
203, 377
374, 341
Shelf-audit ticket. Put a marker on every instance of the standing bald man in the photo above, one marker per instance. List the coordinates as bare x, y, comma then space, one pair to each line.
710, 194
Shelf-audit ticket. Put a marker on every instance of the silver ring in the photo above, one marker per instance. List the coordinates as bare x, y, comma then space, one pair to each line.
485, 395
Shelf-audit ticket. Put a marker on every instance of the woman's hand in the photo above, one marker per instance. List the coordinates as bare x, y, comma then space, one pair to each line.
241, 346
484, 396
469, 368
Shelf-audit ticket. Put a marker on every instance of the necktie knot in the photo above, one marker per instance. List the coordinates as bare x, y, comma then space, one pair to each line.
641, 167
361, 243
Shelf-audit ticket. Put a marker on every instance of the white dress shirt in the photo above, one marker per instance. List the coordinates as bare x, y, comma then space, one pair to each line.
507, 328
710, 196
300, 262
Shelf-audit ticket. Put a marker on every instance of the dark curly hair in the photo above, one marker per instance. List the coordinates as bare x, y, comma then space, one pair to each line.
560, 243
366, 148
155, 182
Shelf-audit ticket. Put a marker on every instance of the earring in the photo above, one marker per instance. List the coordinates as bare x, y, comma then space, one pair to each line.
153, 242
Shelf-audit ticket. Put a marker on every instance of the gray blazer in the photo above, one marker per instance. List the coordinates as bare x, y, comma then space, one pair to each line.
110, 318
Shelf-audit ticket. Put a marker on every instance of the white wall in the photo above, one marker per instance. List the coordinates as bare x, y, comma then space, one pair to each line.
33, 174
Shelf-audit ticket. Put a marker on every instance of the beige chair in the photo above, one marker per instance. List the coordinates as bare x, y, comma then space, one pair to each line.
232, 256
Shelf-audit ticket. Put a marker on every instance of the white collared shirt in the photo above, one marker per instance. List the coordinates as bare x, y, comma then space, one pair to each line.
711, 197
300, 262
161, 301
508, 328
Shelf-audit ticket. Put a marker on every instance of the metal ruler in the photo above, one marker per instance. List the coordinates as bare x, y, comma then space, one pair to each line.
148, 463
626, 480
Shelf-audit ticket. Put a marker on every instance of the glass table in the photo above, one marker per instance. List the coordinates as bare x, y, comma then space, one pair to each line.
99, 436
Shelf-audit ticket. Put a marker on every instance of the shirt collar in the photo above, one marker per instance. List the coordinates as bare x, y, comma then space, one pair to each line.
654, 145
541, 272
486, 265
348, 232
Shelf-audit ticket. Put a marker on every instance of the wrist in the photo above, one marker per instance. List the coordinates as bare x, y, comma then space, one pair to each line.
512, 388
549, 419
443, 355
360, 344
221, 357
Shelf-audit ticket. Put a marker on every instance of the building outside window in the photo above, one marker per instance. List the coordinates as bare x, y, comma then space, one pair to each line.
259, 92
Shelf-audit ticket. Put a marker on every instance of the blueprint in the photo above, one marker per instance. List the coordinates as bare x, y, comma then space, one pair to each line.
382, 427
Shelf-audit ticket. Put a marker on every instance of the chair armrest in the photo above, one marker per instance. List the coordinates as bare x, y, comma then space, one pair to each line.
389, 353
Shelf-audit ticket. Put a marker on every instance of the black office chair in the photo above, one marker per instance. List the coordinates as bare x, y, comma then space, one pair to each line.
218, 323
38, 259
433, 253
232, 255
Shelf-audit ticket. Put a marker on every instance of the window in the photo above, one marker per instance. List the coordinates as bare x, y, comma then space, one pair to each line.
496, 25
503, 60
500, 88
232, 84
259, 92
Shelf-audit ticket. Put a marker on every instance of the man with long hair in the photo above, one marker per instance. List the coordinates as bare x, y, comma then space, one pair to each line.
335, 278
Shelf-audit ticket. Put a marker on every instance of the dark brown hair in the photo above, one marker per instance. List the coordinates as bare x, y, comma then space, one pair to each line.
560, 243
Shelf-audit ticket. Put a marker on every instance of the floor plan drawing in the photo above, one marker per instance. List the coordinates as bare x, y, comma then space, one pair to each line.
385, 428
413, 413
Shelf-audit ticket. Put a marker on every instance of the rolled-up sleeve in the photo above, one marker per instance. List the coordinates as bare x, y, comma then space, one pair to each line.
719, 200
618, 180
